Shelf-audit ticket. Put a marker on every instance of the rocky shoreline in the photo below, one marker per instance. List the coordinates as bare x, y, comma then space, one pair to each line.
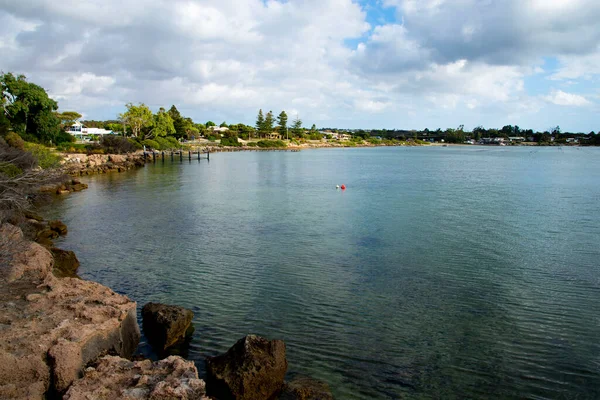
65, 337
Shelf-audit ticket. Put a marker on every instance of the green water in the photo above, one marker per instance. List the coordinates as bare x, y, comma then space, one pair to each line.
446, 272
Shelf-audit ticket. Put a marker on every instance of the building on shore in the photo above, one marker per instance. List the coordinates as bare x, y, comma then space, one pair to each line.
85, 134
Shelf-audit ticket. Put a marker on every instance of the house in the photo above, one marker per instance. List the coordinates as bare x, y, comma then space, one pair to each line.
273, 135
83, 133
516, 139
218, 129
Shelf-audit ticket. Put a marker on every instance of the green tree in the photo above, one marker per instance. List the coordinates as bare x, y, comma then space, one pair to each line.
208, 124
297, 127
260, 123
282, 120
162, 125
137, 118
67, 118
28, 108
190, 128
178, 122
223, 124
269, 122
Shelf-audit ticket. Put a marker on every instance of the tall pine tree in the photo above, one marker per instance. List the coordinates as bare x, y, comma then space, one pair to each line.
260, 123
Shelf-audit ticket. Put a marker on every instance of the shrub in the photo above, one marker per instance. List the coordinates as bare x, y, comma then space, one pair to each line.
72, 148
116, 144
64, 137
9, 170
271, 143
14, 140
252, 144
46, 158
151, 144
230, 141
137, 145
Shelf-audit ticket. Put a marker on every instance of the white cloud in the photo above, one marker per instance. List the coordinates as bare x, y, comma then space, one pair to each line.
561, 98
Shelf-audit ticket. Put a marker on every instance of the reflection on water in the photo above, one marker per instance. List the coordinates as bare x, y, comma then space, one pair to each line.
439, 273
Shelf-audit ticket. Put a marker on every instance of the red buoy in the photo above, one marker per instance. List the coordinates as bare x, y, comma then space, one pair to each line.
343, 187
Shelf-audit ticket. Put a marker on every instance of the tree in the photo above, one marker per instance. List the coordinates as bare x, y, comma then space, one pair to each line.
260, 123
190, 128
209, 124
178, 122
223, 124
313, 128
297, 127
269, 122
137, 117
282, 120
67, 118
162, 125
28, 108
478, 132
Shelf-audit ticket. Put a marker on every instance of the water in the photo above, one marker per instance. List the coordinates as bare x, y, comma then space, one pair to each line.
446, 272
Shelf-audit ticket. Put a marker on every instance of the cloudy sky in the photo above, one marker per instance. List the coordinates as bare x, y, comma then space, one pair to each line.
336, 63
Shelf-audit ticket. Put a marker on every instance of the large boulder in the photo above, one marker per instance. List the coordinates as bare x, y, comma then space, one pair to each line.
305, 388
65, 263
51, 328
166, 325
118, 378
253, 369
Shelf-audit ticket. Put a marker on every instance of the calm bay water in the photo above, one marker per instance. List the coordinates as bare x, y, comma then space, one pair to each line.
446, 272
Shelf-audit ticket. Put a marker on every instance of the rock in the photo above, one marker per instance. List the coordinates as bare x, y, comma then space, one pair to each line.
165, 325
47, 234
117, 378
65, 263
78, 187
253, 369
52, 328
58, 226
33, 215
114, 158
304, 388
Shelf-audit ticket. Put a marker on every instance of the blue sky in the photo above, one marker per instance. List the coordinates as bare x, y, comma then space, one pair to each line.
406, 64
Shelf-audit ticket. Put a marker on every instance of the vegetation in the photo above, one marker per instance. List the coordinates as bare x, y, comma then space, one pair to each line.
271, 143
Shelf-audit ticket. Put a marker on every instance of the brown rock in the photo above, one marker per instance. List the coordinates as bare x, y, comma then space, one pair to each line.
79, 187
114, 158
58, 226
117, 378
165, 325
65, 263
47, 234
304, 388
33, 215
253, 369
52, 328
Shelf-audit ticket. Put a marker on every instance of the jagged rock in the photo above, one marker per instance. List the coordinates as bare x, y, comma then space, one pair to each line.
253, 369
65, 263
52, 328
114, 158
304, 388
78, 187
47, 234
33, 215
58, 226
117, 378
165, 325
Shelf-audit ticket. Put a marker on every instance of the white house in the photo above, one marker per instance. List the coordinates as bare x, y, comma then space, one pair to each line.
84, 133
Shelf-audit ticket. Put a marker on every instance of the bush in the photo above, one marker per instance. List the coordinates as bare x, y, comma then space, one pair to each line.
14, 140
211, 138
252, 144
151, 144
137, 145
72, 148
64, 137
46, 158
9, 170
271, 143
116, 144
230, 141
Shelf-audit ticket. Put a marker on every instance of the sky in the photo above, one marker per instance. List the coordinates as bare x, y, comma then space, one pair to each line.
403, 64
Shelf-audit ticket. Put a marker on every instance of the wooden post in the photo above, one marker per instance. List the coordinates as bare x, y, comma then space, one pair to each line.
163, 156
190, 155
208, 154
198, 154
180, 155
171, 155
153, 156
